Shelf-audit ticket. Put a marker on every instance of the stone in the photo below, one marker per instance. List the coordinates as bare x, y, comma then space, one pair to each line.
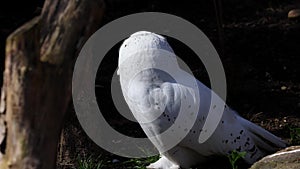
294, 13
289, 158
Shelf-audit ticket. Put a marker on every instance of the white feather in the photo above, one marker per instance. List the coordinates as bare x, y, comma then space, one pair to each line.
152, 83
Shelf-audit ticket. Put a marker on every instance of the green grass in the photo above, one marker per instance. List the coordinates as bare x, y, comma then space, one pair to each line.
234, 156
140, 163
90, 162
295, 135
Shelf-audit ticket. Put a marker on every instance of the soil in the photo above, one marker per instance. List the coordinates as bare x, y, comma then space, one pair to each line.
258, 46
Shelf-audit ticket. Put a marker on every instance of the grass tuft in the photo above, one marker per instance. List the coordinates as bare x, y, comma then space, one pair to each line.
234, 156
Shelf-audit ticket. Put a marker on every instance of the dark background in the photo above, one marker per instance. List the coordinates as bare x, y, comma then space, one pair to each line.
259, 48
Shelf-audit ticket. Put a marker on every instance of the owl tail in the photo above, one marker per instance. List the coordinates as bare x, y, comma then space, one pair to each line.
264, 140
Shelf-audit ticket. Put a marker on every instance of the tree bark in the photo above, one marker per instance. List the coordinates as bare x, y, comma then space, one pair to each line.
37, 80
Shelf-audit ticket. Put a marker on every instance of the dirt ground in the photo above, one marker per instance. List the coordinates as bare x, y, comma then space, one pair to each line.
259, 49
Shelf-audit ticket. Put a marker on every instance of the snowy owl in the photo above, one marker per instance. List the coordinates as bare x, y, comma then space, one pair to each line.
171, 106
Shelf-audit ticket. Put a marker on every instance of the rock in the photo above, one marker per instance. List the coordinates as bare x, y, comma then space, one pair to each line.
283, 87
288, 158
294, 13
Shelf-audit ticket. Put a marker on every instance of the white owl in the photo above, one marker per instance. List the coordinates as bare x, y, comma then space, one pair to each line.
171, 107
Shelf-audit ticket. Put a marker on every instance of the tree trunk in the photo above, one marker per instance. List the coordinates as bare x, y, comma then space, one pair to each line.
37, 80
